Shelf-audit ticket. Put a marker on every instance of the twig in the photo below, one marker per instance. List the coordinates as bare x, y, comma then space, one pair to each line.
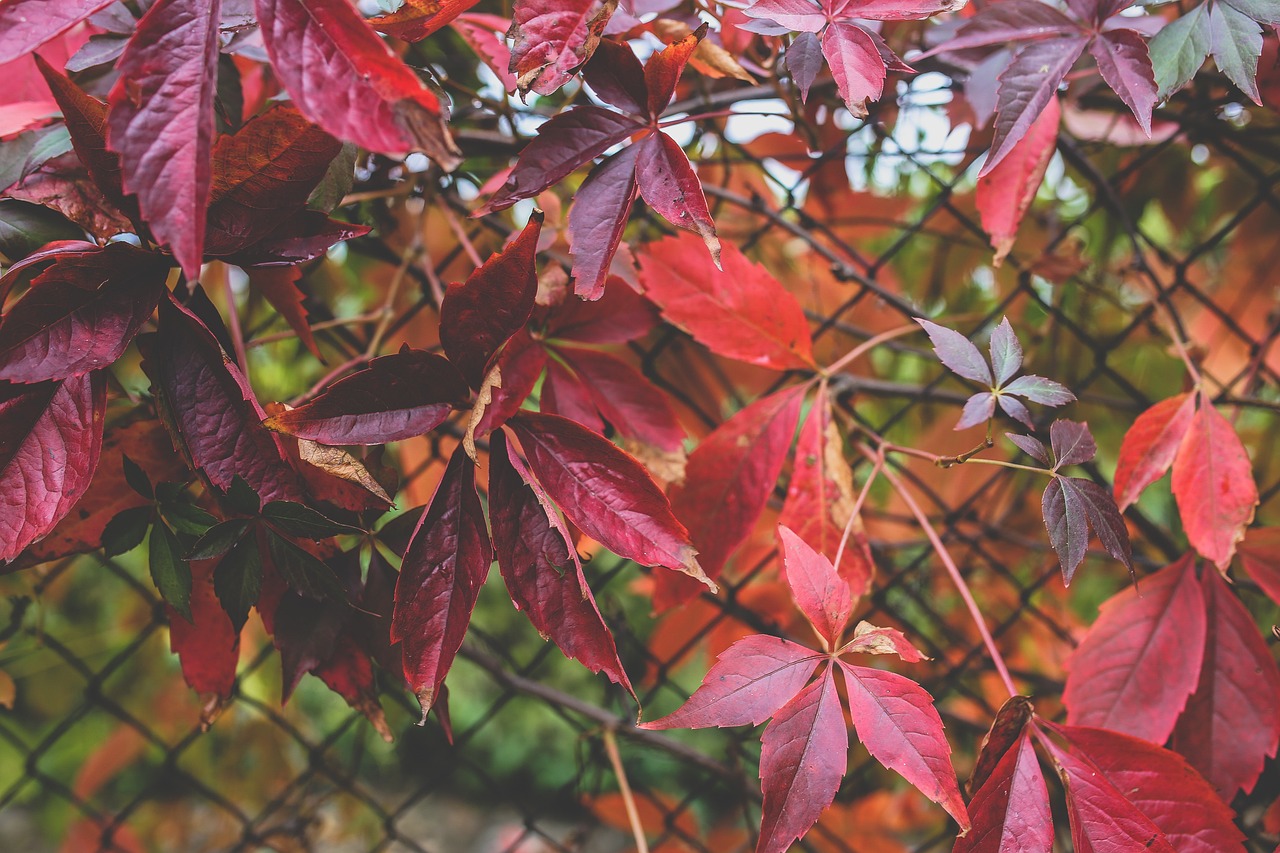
633, 814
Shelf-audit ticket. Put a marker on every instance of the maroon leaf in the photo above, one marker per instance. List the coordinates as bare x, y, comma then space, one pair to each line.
1037, 389
958, 353
856, 65
601, 208
896, 721
605, 493
1026, 87
347, 80
80, 313
728, 481
1150, 445
564, 144
1072, 443
822, 595
1107, 523
625, 398
803, 756
1141, 658
210, 411
540, 566
553, 38
1006, 352
804, 60
1213, 485
749, 682
263, 175
619, 316
396, 397
50, 441
1164, 787
1010, 811
305, 235
446, 563
478, 317
1070, 506
739, 312
27, 24
160, 121
1030, 446
1125, 65
1011, 21
1232, 721
1010, 722
618, 78
520, 362
669, 185
564, 395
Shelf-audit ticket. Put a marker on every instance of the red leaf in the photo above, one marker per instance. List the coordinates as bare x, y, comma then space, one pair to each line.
1005, 193
728, 481
1164, 787
447, 560
669, 185
856, 65
898, 10
540, 566
553, 38
478, 317
1141, 659
1010, 722
1011, 21
870, 640
50, 441
1125, 65
396, 397
1213, 485
820, 496
1103, 820
417, 19
210, 411
625, 398
347, 80
1260, 556
741, 312
663, 70
1232, 721
1026, 87
279, 286
263, 175
564, 395
1011, 810
485, 34
160, 121
605, 493
799, 15
208, 647
520, 362
619, 316
749, 682
564, 144
80, 313
27, 24
803, 756
1150, 445
822, 595
617, 77
896, 721
349, 673
305, 235
601, 208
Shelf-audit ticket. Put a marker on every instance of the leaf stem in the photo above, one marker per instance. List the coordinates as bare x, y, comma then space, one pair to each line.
628, 800
857, 508
868, 344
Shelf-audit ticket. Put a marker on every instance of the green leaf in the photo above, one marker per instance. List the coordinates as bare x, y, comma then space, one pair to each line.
186, 518
25, 228
1178, 51
242, 497
137, 478
306, 573
218, 539
237, 580
1235, 42
337, 180
26, 152
1262, 11
126, 531
298, 520
171, 574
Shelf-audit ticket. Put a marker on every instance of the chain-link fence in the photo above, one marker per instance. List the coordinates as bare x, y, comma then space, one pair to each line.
104, 749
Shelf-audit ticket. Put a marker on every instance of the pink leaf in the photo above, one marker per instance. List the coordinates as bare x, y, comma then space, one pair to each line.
894, 10
347, 80
669, 185
553, 38
802, 16
27, 24
80, 313
540, 566
601, 208
485, 35
1213, 485
1010, 21
856, 65
1005, 193
741, 312
803, 756
870, 640
447, 561
50, 441
1026, 87
1011, 810
899, 726
749, 682
822, 595
1141, 658
1150, 445
605, 492
1232, 721
396, 397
